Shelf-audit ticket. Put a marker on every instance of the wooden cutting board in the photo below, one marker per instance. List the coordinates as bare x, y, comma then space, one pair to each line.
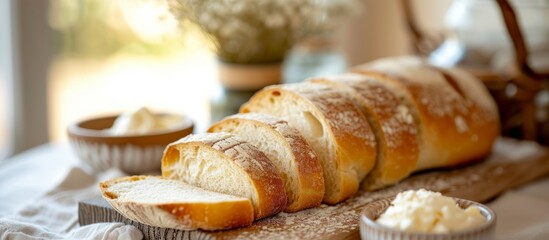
512, 163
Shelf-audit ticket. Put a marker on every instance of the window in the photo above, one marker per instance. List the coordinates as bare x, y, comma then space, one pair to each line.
6, 79
120, 55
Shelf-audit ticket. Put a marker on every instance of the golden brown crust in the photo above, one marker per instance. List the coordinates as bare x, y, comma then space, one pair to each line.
182, 215
269, 189
482, 118
352, 151
209, 216
308, 190
455, 127
394, 127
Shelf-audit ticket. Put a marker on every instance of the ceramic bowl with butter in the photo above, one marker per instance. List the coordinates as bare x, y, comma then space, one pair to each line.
135, 149
426, 219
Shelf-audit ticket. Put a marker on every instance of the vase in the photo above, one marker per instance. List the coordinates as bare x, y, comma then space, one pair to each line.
314, 56
238, 83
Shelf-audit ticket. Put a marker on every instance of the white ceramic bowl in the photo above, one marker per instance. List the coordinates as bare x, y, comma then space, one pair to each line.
371, 230
133, 154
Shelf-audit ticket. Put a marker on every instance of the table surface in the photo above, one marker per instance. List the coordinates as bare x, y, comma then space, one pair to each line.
34, 172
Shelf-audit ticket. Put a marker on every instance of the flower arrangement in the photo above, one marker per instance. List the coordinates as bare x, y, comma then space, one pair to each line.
256, 31
251, 39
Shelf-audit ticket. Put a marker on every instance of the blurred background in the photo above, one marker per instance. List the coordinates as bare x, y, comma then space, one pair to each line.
65, 60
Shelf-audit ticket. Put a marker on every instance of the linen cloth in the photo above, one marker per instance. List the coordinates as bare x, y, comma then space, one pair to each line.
523, 213
54, 213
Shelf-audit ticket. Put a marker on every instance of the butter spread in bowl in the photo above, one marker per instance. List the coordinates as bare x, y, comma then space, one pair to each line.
430, 212
423, 215
143, 121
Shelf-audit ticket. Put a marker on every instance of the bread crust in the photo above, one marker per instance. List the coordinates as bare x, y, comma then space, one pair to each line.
394, 126
306, 176
456, 127
351, 147
181, 215
483, 118
269, 193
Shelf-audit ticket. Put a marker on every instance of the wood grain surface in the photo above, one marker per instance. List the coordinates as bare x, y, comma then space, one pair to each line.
512, 163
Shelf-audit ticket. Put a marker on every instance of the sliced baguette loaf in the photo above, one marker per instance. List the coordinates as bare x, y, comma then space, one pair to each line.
173, 204
458, 118
336, 129
288, 150
393, 124
224, 163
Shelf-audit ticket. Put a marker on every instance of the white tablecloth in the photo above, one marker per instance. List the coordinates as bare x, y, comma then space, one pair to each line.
39, 193
40, 188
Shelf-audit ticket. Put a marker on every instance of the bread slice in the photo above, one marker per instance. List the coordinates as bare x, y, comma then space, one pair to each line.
288, 150
331, 123
173, 204
458, 119
224, 163
393, 124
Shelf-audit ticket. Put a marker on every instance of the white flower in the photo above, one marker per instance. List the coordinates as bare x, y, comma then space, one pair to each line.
260, 30
231, 28
274, 21
239, 7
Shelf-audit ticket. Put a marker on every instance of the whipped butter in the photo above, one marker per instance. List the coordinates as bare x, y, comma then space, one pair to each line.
143, 121
429, 212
